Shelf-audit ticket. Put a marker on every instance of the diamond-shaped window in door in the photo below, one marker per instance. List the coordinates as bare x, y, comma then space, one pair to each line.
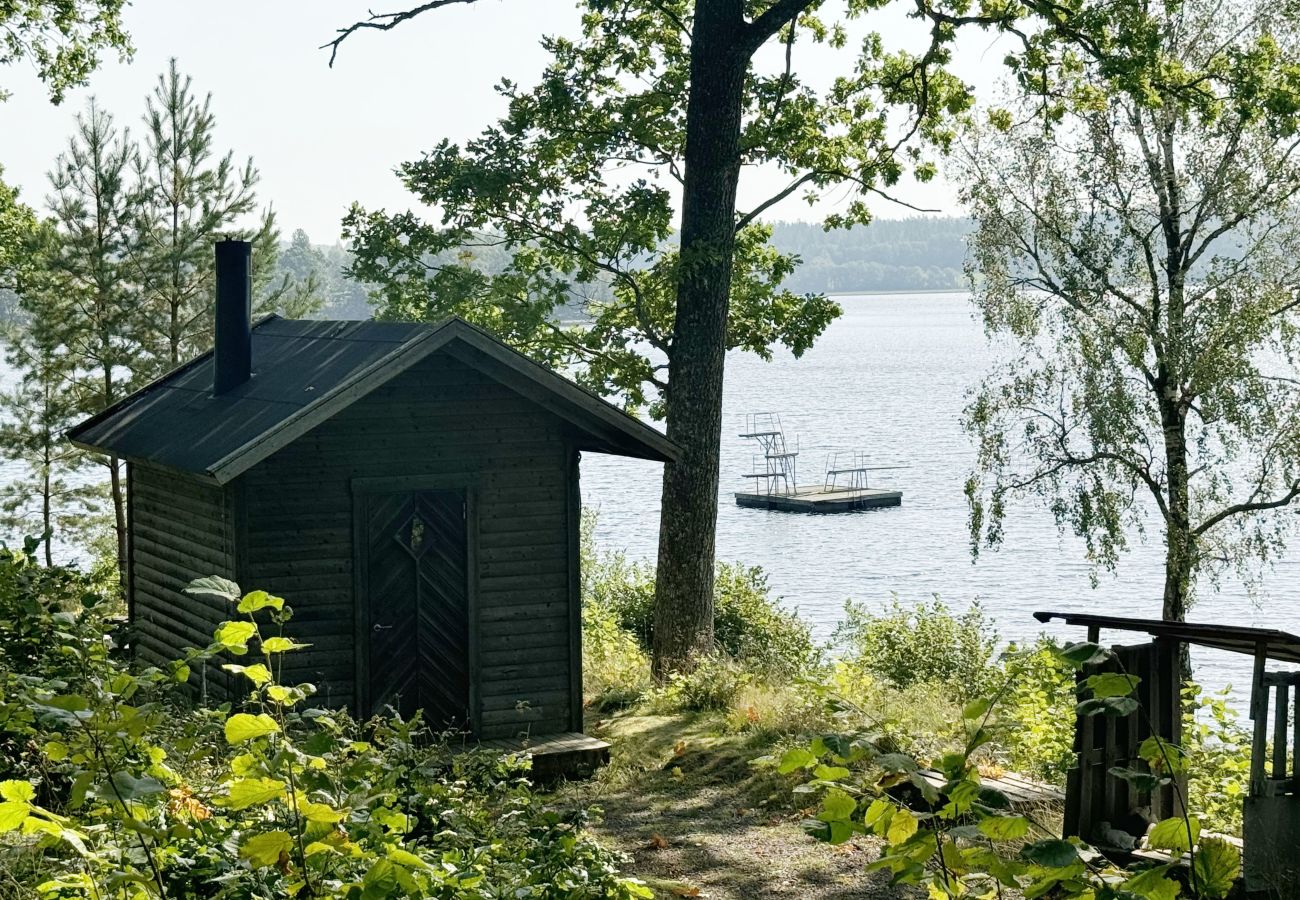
411, 536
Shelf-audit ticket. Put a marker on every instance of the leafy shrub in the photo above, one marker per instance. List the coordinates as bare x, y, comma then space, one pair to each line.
275, 800
748, 622
922, 644
921, 719
712, 685
1218, 751
615, 670
1039, 704
37, 603
958, 836
777, 709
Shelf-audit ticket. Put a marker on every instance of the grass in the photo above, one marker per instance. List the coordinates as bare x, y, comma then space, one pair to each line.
697, 820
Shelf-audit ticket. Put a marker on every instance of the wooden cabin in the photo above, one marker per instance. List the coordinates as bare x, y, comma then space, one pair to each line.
411, 490
1113, 815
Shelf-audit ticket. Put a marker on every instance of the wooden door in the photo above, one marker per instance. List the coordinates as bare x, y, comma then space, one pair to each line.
417, 590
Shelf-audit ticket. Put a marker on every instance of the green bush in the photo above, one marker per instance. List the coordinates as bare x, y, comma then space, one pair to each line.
1039, 706
748, 624
37, 603
615, 669
1218, 752
712, 685
924, 644
277, 799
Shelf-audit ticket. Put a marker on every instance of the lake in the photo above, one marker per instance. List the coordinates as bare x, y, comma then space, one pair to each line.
891, 377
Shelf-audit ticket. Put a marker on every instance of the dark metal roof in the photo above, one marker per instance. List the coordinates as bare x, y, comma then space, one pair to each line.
305, 372
1279, 645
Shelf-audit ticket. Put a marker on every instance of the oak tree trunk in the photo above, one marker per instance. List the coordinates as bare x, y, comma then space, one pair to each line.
683, 627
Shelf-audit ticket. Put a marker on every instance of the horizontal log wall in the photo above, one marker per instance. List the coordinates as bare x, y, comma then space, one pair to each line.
440, 417
181, 529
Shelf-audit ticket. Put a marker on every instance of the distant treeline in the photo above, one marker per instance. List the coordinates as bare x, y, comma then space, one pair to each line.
919, 254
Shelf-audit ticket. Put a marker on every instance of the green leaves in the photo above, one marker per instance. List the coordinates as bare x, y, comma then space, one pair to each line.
281, 645
258, 673
1217, 865
214, 586
1084, 653
1004, 828
255, 600
246, 792
243, 727
836, 805
17, 791
795, 759
234, 636
902, 825
1112, 684
1175, 834
265, 849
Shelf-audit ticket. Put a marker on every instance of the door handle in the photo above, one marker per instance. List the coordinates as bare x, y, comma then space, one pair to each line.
378, 628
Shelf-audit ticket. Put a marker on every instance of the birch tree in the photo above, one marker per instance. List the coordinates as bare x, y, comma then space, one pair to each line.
1139, 246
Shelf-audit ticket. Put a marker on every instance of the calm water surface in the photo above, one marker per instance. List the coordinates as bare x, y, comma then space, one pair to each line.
891, 377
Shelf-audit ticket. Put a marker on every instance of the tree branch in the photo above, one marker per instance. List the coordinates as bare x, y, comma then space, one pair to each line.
777, 16
384, 22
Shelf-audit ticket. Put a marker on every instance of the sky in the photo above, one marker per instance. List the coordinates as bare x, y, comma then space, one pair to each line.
324, 138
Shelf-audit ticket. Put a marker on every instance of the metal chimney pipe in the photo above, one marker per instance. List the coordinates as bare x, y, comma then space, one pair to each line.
232, 358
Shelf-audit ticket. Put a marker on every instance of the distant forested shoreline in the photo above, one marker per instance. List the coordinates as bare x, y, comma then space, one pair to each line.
917, 254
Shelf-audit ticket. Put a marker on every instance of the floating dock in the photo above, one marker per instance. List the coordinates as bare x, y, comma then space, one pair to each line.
817, 500
776, 482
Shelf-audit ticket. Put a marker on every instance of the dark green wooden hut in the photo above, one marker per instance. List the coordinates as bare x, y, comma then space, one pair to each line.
412, 490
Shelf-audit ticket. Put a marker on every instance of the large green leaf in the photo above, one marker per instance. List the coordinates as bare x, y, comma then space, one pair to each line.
255, 600
836, 805
248, 792
1153, 884
1112, 684
214, 586
281, 645
256, 673
234, 636
901, 827
1217, 865
897, 762
264, 849
18, 791
1083, 653
12, 814
243, 727
795, 758
1172, 834
1004, 828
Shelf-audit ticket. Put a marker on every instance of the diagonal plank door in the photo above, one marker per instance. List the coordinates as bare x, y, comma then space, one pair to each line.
417, 581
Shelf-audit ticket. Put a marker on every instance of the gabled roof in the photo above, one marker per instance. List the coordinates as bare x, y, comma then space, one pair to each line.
1279, 645
304, 372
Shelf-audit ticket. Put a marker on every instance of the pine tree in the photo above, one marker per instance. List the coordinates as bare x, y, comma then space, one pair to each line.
86, 295
190, 197
50, 495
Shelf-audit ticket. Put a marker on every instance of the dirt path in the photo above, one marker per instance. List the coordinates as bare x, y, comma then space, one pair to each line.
698, 821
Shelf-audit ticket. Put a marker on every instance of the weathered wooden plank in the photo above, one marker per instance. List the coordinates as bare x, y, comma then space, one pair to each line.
552, 650
546, 638
545, 669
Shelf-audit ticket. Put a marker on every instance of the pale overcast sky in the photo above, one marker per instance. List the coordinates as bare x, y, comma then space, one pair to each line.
323, 137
